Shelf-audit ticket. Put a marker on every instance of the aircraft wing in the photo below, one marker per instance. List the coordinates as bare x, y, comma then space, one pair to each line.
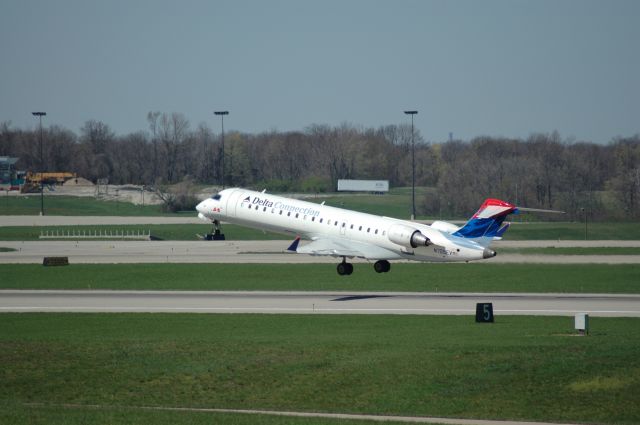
336, 247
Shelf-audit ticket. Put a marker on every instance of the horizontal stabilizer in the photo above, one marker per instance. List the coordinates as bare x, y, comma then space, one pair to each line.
539, 210
503, 229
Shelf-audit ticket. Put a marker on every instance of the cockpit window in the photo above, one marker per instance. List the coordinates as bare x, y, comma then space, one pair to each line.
216, 197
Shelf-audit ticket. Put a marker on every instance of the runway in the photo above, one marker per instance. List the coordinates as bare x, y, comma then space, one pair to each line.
111, 252
316, 303
88, 220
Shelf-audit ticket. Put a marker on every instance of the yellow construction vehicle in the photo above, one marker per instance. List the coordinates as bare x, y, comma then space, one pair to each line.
32, 180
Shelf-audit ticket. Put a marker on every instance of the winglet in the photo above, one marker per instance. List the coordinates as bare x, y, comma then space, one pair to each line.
294, 245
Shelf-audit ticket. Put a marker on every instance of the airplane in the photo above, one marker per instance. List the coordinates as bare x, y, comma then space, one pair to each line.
339, 232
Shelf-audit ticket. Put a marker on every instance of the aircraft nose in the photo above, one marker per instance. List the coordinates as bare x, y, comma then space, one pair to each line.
201, 207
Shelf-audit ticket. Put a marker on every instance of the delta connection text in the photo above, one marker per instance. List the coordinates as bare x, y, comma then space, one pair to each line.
281, 206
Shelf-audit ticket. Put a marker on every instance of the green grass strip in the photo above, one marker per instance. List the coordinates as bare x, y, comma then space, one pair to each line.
573, 251
521, 368
573, 231
567, 278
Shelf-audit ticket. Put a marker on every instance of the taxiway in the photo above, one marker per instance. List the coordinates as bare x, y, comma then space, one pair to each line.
316, 302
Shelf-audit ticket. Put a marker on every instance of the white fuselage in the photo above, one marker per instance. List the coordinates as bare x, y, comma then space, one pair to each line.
374, 236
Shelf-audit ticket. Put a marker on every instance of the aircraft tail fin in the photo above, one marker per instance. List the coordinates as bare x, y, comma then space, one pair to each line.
488, 222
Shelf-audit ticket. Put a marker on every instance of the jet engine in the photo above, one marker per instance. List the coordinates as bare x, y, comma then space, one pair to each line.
407, 236
444, 226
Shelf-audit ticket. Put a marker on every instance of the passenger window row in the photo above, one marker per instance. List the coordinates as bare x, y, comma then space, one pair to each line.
320, 220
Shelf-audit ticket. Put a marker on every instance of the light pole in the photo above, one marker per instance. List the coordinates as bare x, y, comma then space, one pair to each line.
222, 114
40, 115
413, 168
586, 226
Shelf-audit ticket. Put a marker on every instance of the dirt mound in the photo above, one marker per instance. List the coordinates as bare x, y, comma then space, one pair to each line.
78, 181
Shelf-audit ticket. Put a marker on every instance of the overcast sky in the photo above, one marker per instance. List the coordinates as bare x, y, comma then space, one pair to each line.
501, 68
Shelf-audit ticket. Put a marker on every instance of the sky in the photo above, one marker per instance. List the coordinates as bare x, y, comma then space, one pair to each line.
505, 68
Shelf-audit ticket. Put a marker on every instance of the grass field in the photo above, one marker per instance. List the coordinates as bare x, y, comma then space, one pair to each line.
175, 232
74, 205
573, 231
323, 277
526, 368
395, 204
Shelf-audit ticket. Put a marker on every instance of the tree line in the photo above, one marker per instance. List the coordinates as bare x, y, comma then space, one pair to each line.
541, 171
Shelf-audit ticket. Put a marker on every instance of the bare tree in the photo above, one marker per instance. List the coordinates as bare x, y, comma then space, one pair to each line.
625, 184
95, 136
172, 132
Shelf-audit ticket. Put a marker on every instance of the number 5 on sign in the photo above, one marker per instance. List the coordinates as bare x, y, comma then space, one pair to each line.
484, 313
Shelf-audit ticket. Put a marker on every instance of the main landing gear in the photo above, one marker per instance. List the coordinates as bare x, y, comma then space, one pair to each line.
381, 266
216, 234
345, 269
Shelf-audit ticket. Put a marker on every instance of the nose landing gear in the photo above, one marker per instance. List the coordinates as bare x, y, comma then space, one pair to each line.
216, 233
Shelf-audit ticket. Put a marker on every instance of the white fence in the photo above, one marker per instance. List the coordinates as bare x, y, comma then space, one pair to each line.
96, 234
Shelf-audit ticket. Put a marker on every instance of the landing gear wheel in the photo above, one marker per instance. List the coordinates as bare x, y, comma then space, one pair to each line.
382, 266
349, 268
345, 268
216, 234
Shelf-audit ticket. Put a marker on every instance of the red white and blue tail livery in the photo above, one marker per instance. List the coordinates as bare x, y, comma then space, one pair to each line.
488, 221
